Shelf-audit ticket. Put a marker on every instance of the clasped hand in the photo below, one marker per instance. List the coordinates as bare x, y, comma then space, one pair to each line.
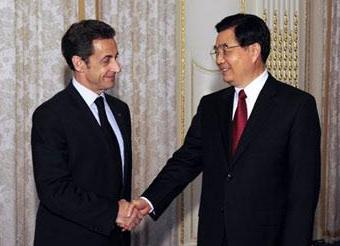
130, 214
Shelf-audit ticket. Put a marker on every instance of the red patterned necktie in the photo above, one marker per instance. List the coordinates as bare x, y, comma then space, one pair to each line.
240, 120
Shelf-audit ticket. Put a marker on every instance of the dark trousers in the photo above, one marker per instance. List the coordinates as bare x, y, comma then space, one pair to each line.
224, 241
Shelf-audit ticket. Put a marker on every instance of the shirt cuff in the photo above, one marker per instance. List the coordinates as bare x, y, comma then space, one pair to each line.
150, 204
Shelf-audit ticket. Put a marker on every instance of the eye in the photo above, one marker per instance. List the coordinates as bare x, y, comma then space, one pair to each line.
106, 60
225, 46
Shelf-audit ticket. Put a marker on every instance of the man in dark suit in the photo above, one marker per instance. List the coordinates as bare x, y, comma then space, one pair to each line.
257, 145
81, 147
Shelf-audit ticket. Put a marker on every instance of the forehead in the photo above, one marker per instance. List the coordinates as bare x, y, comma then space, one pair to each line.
104, 46
226, 36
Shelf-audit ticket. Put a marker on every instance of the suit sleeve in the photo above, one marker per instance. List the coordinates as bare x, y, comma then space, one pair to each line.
181, 168
303, 176
56, 188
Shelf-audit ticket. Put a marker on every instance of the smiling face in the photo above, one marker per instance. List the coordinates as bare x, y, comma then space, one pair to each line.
238, 65
99, 71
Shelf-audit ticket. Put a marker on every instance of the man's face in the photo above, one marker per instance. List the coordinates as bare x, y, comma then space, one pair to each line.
235, 62
102, 66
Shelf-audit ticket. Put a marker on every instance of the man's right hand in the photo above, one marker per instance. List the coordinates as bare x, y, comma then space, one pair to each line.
128, 215
142, 205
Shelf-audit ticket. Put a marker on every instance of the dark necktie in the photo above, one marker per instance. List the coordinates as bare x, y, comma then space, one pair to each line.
240, 120
111, 139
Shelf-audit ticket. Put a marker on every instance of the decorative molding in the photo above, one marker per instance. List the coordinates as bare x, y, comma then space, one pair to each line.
81, 9
308, 28
283, 61
181, 107
181, 81
98, 9
202, 68
242, 6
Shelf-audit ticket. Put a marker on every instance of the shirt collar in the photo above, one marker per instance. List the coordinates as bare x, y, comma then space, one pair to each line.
255, 86
88, 95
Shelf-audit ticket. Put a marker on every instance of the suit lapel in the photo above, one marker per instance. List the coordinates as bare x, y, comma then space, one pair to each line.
256, 123
225, 109
84, 109
119, 117
83, 106
88, 116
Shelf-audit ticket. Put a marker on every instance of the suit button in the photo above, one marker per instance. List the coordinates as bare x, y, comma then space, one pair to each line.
229, 177
97, 228
222, 210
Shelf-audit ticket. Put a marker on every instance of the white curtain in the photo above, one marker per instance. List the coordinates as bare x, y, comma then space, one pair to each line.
332, 130
147, 46
31, 71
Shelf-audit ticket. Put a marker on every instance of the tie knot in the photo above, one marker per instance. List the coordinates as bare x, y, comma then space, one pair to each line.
242, 95
99, 102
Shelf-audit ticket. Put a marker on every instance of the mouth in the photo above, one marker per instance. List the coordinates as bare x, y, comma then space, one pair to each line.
224, 69
111, 77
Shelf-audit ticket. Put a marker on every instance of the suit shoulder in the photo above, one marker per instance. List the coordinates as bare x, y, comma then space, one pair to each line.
292, 92
218, 94
52, 105
116, 101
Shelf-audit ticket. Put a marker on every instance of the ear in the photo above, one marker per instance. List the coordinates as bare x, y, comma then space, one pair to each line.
255, 52
78, 63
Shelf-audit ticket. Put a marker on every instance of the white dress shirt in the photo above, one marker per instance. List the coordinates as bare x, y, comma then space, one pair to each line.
252, 91
89, 97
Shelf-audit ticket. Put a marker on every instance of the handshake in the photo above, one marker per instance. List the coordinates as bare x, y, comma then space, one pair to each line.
130, 214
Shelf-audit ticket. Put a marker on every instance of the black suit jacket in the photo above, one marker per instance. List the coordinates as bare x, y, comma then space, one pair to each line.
74, 173
266, 194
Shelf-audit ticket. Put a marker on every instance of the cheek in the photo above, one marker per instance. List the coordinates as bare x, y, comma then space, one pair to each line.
238, 63
233, 62
233, 57
104, 71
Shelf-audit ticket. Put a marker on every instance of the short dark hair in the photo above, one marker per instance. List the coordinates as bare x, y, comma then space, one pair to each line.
79, 37
249, 29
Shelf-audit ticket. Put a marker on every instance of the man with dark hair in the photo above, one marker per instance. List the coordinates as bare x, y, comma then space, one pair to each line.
81, 148
257, 144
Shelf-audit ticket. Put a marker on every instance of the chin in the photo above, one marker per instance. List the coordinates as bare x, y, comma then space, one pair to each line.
231, 83
110, 83
110, 86
228, 80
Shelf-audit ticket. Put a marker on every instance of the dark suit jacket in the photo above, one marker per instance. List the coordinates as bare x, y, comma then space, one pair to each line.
266, 194
74, 173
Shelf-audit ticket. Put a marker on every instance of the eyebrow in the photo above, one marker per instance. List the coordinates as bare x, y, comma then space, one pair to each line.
220, 45
109, 56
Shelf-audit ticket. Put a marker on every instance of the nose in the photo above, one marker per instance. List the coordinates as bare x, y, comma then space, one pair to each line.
115, 66
219, 58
